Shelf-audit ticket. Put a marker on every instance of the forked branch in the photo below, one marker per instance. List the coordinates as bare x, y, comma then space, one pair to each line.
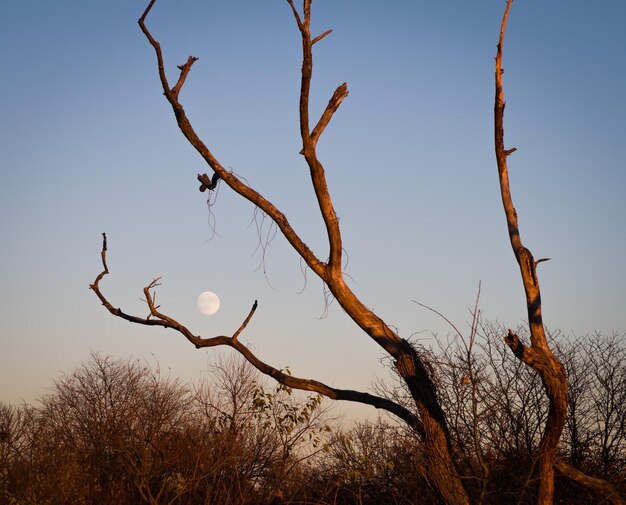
309, 139
155, 317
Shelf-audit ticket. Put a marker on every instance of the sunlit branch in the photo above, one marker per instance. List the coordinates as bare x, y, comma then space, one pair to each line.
184, 70
230, 179
538, 355
333, 104
412, 366
320, 37
309, 140
331, 272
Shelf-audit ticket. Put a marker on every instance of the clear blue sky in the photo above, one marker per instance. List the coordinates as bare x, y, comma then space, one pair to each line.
88, 144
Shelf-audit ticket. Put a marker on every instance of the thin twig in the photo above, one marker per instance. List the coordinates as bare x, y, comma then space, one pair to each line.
441, 316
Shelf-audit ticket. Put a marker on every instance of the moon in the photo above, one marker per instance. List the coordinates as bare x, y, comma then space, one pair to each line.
208, 303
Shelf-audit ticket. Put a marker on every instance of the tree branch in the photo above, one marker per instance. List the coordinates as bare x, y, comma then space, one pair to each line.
333, 104
599, 486
522, 254
320, 37
309, 140
156, 46
295, 13
184, 70
329, 273
165, 321
161, 319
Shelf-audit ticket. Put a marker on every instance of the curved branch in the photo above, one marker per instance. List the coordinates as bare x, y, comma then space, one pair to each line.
161, 319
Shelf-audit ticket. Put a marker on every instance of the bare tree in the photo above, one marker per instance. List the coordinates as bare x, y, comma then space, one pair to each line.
424, 415
117, 431
429, 421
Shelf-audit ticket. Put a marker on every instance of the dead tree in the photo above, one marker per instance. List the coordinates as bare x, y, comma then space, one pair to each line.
429, 421
538, 354
427, 418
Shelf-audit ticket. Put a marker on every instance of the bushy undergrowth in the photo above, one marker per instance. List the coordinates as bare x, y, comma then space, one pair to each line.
117, 431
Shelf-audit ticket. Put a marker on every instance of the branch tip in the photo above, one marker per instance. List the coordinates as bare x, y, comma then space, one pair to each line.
333, 104
245, 322
145, 13
184, 71
320, 37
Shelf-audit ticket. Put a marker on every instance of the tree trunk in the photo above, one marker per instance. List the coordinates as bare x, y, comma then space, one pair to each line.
439, 469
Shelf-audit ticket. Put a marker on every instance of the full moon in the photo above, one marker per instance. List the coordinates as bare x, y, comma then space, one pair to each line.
208, 303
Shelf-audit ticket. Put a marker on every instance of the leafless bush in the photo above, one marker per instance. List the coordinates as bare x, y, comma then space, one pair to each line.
512, 410
496, 410
119, 432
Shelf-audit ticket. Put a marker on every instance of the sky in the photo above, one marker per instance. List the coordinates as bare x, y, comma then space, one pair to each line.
88, 145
